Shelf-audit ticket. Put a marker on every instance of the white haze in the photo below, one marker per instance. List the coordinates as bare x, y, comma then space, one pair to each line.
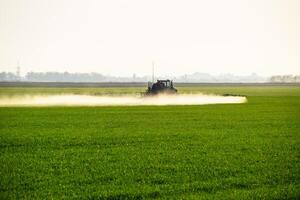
122, 37
87, 100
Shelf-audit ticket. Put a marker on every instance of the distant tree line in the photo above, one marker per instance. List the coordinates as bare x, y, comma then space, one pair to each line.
285, 79
64, 77
189, 78
68, 77
8, 76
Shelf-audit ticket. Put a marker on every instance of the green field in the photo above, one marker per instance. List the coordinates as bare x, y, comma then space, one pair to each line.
233, 151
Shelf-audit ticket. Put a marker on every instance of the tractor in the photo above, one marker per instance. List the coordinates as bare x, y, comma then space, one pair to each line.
161, 86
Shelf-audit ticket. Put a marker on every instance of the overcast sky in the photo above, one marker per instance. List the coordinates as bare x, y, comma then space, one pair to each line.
122, 37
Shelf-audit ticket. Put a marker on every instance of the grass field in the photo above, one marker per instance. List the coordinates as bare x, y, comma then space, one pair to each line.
241, 151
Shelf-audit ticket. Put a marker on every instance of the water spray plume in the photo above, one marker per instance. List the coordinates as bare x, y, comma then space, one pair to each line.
88, 100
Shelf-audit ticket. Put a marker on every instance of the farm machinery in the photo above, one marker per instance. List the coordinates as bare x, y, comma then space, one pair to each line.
161, 86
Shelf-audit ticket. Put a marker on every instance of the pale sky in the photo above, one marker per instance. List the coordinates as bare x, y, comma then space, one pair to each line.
122, 37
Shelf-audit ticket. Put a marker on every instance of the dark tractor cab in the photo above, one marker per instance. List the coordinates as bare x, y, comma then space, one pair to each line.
161, 86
